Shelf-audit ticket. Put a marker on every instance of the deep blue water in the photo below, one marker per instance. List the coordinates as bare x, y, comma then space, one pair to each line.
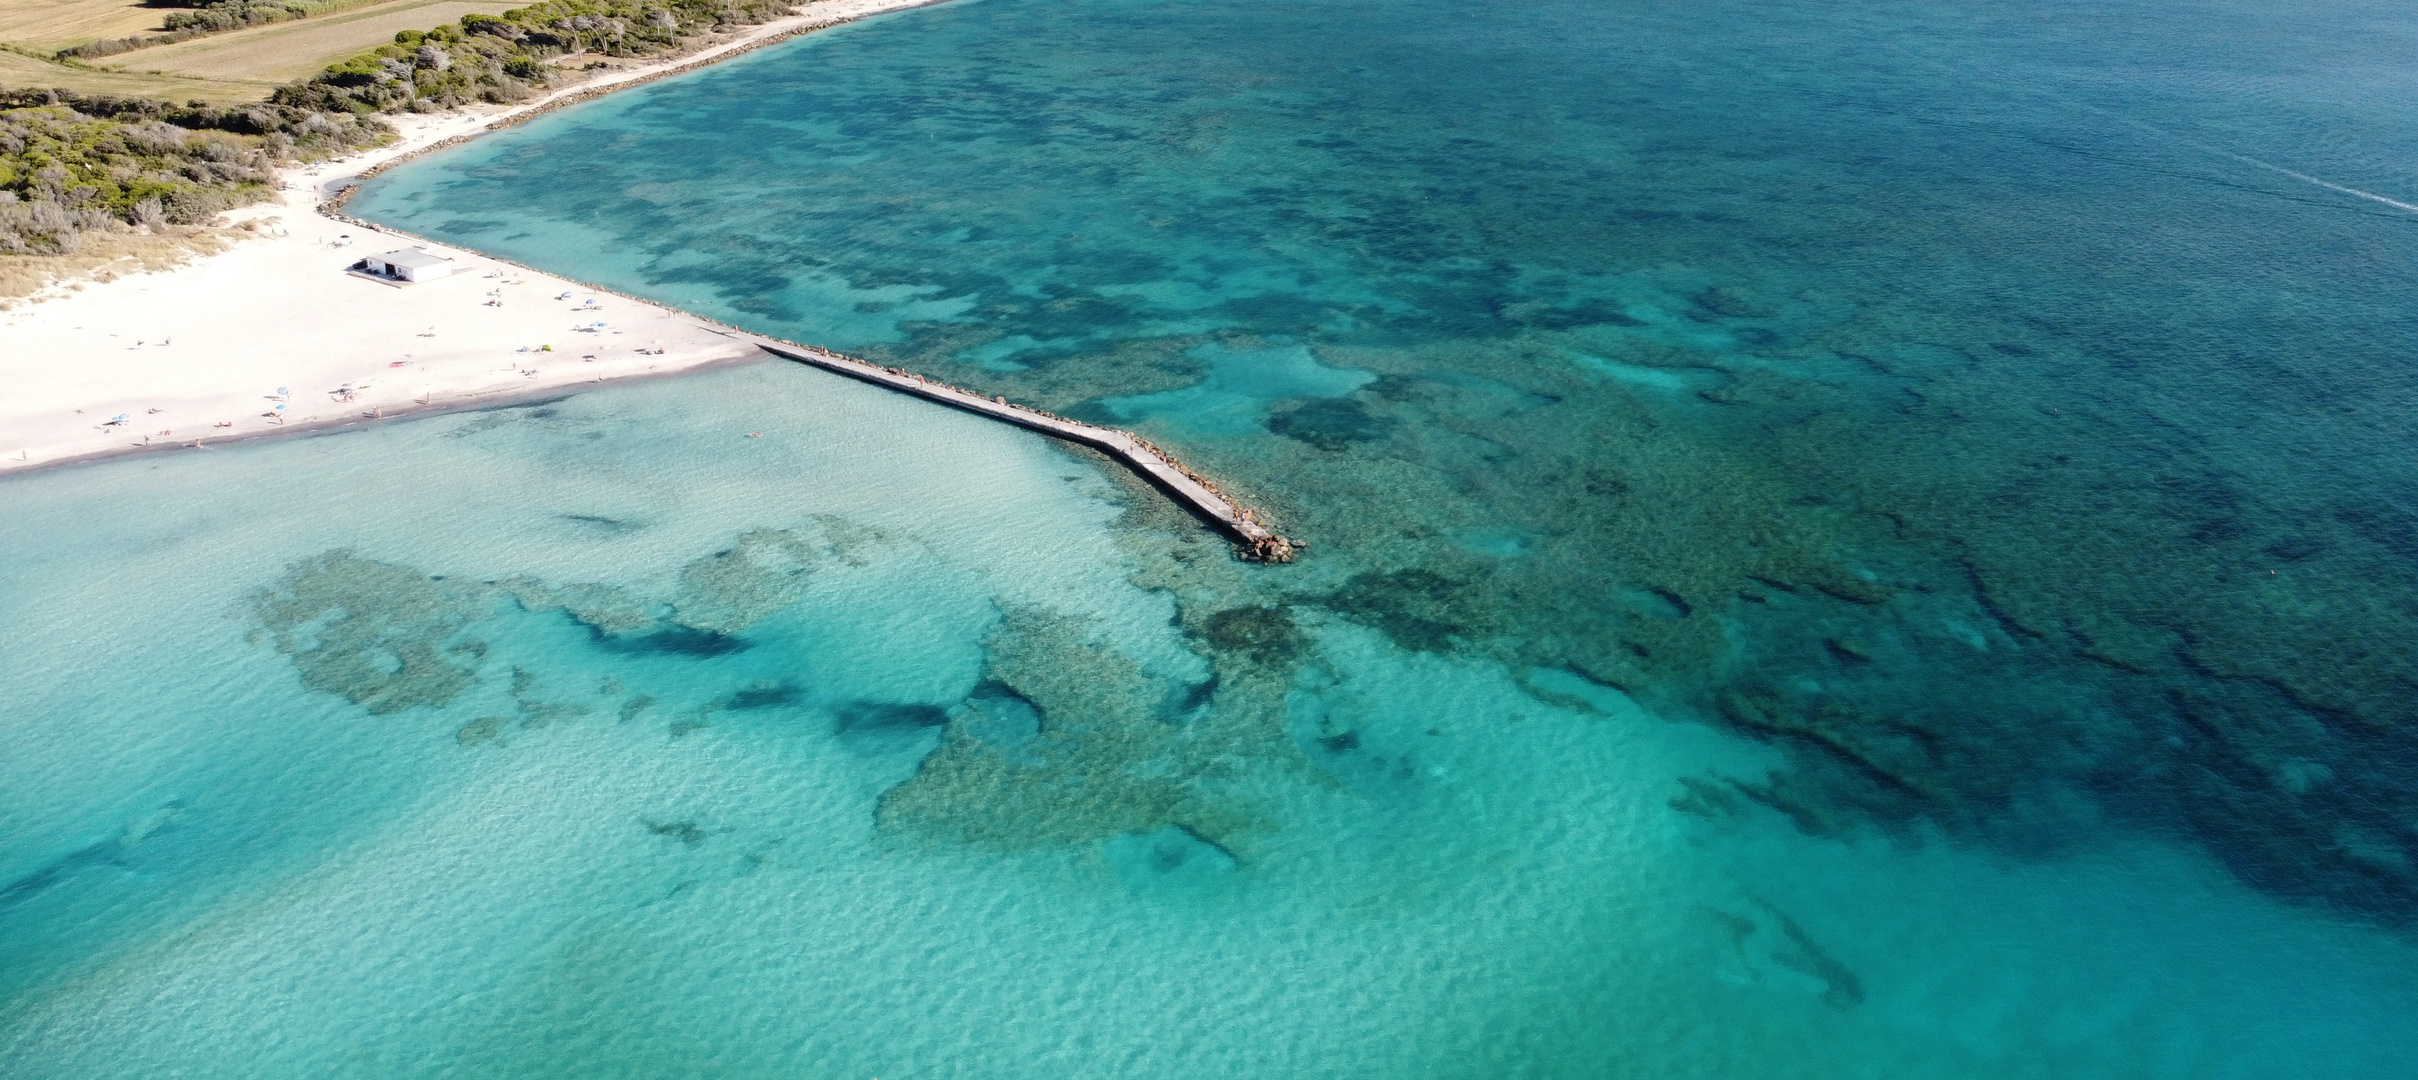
1851, 539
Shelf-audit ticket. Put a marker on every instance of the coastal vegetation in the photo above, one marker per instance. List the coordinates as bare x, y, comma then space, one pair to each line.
268, 56
206, 18
222, 51
23, 69
33, 37
44, 28
71, 164
504, 58
79, 162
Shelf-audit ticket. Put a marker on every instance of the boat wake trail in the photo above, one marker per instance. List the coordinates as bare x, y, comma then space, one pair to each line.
2269, 166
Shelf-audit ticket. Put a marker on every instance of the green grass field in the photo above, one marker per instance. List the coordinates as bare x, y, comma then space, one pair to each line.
19, 71
240, 65
46, 26
281, 52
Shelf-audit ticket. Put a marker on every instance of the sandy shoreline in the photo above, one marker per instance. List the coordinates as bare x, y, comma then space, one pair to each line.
273, 335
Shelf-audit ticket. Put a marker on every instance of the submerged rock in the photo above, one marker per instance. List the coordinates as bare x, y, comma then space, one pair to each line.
1330, 423
883, 727
998, 716
1168, 858
374, 632
765, 571
1099, 759
1266, 635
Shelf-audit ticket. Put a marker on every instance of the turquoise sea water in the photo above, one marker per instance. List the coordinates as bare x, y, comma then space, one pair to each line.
1850, 540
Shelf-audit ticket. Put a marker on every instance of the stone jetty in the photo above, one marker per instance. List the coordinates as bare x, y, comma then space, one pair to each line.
1253, 540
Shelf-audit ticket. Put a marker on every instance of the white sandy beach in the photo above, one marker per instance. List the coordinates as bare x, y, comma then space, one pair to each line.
274, 334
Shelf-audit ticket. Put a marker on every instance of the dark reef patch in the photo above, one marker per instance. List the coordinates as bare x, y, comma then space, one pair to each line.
1841, 989
686, 832
768, 696
1266, 635
2296, 548
680, 641
885, 718
606, 524
1330, 423
1065, 743
1419, 610
374, 632
1186, 700
995, 714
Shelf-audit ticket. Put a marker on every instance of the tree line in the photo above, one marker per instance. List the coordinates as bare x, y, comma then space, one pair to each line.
206, 18
72, 163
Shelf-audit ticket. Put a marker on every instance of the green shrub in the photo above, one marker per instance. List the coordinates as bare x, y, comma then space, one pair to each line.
205, 18
502, 57
71, 164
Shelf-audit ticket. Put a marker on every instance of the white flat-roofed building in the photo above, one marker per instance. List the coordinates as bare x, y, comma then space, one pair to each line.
408, 264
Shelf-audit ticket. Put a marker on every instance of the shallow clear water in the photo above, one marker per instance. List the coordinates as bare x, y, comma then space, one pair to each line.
856, 750
1851, 540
